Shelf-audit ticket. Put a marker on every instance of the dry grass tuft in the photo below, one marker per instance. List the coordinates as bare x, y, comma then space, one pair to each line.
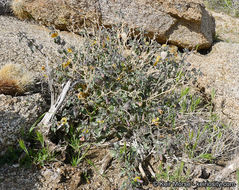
19, 10
14, 79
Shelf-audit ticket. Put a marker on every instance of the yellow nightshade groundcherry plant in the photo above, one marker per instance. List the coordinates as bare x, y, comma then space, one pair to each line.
137, 96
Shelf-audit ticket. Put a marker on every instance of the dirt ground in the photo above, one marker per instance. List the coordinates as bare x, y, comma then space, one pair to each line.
59, 176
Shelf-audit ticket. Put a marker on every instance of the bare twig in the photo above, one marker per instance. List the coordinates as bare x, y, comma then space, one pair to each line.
142, 171
151, 171
44, 126
105, 163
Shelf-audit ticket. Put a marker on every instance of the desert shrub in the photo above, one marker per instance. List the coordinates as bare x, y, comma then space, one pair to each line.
126, 87
130, 90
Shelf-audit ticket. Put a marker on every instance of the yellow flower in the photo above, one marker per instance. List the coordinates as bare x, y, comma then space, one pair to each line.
43, 68
155, 120
85, 131
215, 128
64, 120
108, 39
80, 95
100, 121
138, 179
146, 42
69, 50
54, 35
164, 45
66, 64
157, 60
94, 42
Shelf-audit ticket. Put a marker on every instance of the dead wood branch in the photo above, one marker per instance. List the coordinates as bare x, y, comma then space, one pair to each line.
44, 126
105, 163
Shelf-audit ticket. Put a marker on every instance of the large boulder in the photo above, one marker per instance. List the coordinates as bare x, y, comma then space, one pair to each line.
184, 23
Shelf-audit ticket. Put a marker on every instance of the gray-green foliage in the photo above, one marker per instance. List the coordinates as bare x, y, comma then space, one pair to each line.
138, 92
124, 96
